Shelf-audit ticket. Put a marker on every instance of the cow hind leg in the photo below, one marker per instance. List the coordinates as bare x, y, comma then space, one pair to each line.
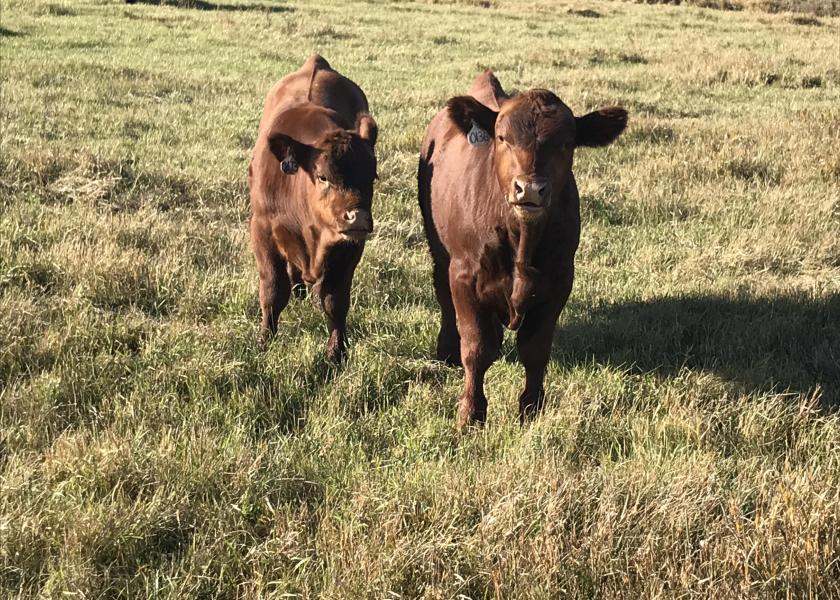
448, 347
448, 340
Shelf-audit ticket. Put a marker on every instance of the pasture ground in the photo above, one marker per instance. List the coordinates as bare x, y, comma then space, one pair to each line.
691, 443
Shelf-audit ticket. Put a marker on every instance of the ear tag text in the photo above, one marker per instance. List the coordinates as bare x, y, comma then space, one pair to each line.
477, 135
289, 165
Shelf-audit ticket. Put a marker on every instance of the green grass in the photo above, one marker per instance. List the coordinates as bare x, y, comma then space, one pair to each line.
807, 7
690, 446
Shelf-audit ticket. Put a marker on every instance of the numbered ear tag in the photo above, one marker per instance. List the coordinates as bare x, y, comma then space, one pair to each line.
289, 165
477, 135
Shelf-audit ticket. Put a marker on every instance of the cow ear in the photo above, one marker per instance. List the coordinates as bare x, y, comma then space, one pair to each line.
600, 127
467, 113
367, 129
291, 153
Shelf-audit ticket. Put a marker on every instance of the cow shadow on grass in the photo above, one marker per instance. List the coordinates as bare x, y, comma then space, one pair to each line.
783, 344
204, 5
283, 404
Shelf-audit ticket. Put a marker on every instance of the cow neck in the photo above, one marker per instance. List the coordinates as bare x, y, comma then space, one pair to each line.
524, 238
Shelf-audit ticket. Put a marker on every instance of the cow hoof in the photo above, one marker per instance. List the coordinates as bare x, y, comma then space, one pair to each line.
449, 352
263, 339
336, 354
466, 423
530, 406
471, 414
453, 360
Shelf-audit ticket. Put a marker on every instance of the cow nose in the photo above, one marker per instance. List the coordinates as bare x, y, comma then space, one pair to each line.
519, 189
358, 219
529, 190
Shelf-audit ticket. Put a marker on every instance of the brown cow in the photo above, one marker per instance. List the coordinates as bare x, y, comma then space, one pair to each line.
501, 213
311, 180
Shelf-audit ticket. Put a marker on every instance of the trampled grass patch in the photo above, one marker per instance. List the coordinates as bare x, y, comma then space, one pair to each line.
149, 448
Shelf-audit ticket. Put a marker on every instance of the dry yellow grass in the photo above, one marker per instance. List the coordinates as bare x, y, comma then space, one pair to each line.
691, 442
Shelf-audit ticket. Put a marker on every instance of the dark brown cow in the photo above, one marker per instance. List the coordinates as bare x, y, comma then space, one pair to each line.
501, 213
311, 180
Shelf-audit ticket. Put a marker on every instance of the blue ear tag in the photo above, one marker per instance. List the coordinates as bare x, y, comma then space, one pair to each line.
289, 165
477, 135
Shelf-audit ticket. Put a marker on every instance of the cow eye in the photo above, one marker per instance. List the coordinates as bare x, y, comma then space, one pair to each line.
502, 139
322, 179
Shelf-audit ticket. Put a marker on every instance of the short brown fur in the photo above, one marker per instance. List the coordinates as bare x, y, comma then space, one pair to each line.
502, 219
311, 182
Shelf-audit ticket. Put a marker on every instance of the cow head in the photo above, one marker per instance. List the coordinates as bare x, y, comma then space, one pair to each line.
534, 135
341, 165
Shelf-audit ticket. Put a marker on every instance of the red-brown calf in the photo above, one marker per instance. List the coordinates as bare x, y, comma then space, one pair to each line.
501, 213
311, 181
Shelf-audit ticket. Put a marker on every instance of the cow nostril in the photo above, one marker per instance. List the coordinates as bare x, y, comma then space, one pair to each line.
542, 189
350, 216
518, 189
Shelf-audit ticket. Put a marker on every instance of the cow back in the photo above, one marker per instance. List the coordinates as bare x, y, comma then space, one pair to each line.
317, 83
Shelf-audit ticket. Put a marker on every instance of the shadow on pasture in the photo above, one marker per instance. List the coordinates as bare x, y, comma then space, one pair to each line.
789, 343
285, 407
9, 33
204, 5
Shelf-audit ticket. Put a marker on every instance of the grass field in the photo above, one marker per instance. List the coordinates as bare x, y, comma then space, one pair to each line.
691, 442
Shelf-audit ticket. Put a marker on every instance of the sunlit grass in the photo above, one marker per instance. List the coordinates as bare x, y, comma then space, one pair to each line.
690, 444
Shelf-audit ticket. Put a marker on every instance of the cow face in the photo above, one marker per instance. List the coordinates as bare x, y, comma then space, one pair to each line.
342, 169
534, 136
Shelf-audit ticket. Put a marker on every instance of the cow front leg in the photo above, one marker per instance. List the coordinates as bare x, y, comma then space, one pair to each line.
533, 344
334, 293
481, 340
336, 303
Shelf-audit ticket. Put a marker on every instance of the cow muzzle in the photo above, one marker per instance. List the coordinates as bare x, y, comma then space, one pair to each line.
357, 225
529, 197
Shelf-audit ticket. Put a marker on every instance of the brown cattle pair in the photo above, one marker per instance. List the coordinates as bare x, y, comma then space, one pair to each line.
499, 202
